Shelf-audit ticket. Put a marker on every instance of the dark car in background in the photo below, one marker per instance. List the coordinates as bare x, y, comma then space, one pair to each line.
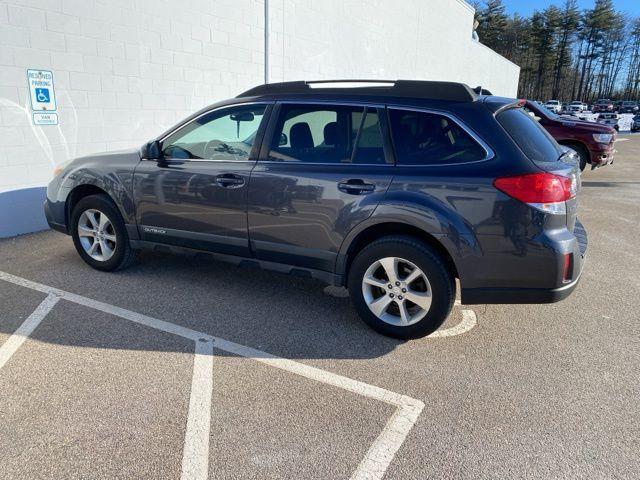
628, 106
635, 123
592, 141
603, 105
393, 189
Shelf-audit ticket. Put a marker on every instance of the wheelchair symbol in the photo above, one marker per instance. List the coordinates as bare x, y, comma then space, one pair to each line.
42, 95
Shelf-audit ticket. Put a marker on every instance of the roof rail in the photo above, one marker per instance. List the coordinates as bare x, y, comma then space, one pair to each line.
434, 90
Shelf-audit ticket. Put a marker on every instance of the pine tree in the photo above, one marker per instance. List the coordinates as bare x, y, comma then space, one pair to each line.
492, 24
566, 54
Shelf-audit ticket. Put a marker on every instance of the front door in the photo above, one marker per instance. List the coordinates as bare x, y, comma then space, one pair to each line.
322, 170
196, 195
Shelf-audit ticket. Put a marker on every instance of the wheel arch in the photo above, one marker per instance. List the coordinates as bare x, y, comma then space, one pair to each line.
79, 192
375, 231
577, 143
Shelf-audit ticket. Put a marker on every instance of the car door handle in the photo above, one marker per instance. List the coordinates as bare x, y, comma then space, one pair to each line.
356, 187
229, 181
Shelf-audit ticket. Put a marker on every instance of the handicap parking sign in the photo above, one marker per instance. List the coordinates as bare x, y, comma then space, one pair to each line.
42, 95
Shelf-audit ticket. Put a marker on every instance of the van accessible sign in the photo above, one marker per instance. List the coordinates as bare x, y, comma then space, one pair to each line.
43, 97
41, 118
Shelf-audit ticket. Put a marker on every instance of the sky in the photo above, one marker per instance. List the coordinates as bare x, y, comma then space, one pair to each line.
526, 7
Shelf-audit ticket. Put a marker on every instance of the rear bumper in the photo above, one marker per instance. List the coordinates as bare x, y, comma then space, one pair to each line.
577, 247
517, 295
602, 157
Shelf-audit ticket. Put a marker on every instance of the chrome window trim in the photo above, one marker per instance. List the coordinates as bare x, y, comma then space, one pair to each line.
489, 153
349, 164
222, 107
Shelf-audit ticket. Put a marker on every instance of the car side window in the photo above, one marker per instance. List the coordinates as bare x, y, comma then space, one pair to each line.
327, 134
222, 135
422, 138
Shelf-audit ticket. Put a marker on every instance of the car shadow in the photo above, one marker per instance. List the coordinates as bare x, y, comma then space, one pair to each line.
280, 314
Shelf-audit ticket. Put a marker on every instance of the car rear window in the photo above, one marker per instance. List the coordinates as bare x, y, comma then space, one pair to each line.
529, 135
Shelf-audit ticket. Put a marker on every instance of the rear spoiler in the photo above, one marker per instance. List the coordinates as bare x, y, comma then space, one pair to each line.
500, 104
482, 91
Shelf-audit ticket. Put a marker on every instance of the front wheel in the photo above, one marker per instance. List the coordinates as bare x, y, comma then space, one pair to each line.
401, 287
99, 234
583, 154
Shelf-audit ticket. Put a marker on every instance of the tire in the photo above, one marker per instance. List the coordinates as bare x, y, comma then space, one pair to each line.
583, 153
437, 280
117, 252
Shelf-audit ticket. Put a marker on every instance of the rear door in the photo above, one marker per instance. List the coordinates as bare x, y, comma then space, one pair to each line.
323, 169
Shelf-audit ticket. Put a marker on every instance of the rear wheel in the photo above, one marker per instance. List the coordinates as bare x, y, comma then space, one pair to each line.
99, 234
400, 287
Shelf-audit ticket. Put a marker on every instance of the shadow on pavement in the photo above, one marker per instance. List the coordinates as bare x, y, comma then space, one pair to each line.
280, 314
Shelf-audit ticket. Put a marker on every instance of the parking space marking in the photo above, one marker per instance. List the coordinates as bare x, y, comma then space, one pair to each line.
195, 456
381, 453
196, 444
469, 320
9, 347
196, 449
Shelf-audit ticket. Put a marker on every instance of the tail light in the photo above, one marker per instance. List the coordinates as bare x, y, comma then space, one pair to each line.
544, 191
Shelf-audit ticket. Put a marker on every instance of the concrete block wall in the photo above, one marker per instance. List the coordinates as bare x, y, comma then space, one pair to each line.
126, 70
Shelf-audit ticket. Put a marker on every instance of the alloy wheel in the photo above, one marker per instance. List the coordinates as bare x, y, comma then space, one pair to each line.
97, 235
397, 291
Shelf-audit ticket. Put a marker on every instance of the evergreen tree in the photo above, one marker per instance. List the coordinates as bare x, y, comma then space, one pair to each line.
492, 25
566, 54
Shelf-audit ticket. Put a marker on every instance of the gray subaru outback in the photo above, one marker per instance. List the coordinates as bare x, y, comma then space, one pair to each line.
392, 189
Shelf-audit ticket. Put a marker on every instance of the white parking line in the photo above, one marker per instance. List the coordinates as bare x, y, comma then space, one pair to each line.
469, 320
196, 449
195, 456
8, 348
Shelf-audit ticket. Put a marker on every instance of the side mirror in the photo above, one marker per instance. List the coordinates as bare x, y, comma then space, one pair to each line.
151, 150
283, 139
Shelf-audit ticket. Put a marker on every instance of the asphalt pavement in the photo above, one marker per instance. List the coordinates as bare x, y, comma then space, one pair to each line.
180, 365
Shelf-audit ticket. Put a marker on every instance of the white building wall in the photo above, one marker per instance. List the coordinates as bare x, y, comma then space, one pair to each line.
125, 70
386, 39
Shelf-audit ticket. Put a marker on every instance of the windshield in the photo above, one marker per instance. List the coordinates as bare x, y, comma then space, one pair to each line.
534, 141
